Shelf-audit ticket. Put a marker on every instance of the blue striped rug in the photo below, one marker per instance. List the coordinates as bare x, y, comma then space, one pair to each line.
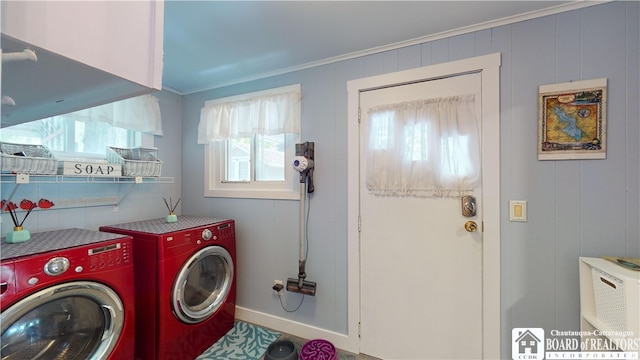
244, 342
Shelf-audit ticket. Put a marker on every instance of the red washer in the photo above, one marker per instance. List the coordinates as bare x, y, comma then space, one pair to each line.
185, 284
68, 293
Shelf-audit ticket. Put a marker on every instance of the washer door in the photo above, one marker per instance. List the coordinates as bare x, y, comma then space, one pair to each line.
202, 284
75, 320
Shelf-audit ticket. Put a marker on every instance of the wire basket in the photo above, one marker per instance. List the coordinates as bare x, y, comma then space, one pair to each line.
27, 159
136, 161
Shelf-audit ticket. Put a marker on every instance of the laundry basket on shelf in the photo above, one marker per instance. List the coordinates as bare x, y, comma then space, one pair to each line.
136, 161
27, 159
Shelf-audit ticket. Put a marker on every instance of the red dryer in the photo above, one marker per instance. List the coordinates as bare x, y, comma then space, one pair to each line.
185, 284
67, 294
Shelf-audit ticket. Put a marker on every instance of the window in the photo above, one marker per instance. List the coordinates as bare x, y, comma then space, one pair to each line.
250, 143
87, 133
68, 138
269, 158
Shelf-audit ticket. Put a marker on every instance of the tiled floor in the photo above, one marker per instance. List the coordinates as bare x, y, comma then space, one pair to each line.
365, 357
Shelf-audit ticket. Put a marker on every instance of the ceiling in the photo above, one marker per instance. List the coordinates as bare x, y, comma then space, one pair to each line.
210, 44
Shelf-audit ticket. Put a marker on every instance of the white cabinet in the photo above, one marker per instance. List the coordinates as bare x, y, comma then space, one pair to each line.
89, 53
609, 304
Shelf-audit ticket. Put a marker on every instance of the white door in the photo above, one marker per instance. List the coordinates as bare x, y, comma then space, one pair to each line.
420, 270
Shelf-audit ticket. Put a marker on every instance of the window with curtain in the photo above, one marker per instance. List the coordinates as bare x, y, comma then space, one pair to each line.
87, 133
425, 148
250, 142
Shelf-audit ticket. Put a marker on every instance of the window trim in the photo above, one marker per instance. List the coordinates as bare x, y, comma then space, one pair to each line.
214, 161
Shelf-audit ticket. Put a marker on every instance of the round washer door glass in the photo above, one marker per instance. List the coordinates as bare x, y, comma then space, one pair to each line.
202, 284
76, 320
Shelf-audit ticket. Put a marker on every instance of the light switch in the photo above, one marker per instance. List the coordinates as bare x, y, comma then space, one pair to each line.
517, 210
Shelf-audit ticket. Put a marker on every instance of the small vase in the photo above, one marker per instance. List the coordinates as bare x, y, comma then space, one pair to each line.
171, 218
18, 235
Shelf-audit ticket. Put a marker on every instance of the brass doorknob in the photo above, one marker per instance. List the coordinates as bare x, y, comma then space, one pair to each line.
471, 226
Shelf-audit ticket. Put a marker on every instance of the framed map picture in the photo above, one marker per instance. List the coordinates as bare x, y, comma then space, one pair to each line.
572, 120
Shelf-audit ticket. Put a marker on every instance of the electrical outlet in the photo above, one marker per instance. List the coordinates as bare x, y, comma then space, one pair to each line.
278, 287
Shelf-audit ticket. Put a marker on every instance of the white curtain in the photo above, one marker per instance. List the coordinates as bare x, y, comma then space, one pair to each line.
269, 114
141, 113
423, 148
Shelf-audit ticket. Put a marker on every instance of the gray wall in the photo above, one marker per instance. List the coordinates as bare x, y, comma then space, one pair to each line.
576, 208
144, 201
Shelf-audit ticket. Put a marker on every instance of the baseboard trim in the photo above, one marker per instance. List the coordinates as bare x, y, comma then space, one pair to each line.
340, 341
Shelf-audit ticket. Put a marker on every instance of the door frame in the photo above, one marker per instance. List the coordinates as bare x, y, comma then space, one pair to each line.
489, 68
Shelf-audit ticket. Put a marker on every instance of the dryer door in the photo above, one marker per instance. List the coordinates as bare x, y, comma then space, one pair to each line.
202, 284
75, 320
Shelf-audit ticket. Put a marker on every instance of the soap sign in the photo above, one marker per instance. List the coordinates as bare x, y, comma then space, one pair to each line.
97, 169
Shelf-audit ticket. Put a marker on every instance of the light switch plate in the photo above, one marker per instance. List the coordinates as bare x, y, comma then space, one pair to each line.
517, 210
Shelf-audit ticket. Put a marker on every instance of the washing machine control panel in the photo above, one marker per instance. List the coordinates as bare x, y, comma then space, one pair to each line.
207, 234
226, 231
56, 266
109, 255
41, 269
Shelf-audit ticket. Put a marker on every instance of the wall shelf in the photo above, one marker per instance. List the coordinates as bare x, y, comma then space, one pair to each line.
30, 179
19, 179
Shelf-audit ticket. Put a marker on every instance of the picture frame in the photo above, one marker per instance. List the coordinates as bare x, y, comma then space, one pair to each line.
572, 120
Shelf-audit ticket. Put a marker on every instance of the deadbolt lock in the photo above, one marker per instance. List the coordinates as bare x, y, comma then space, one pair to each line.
468, 206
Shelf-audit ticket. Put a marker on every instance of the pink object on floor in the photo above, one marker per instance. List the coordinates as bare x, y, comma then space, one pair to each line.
318, 349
